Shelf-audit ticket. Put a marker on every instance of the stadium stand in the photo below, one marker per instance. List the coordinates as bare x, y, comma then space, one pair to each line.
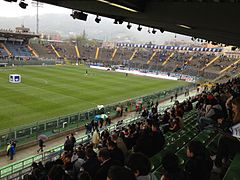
67, 50
3, 53
18, 50
113, 144
43, 51
194, 62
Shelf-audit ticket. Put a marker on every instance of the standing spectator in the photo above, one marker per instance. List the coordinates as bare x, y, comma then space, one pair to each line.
88, 127
104, 157
121, 112
171, 99
120, 144
199, 165
8, 147
14, 144
11, 152
108, 119
198, 89
68, 144
176, 95
41, 145
116, 153
73, 140
95, 138
157, 137
92, 164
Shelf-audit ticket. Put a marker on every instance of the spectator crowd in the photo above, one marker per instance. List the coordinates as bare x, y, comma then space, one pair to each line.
124, 153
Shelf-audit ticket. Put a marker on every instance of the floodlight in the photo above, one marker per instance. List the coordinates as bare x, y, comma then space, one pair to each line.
129, 26
23, 5
79, 15
115, 21
120, 21
98, 19
162, 30
139, 28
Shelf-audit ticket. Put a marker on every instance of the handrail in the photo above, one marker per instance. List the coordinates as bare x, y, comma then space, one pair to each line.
51, 153
3, 131
8, 172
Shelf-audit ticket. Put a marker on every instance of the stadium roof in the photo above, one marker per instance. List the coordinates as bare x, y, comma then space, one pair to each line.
214, 20
17, 35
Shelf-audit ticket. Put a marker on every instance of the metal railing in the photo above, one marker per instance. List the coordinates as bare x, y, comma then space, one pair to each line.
29, 132
22, 167
19, 168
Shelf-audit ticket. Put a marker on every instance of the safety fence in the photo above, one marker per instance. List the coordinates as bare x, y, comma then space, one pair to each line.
19, 168
52, 127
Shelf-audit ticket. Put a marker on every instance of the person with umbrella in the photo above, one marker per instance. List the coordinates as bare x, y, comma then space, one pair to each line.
41, 139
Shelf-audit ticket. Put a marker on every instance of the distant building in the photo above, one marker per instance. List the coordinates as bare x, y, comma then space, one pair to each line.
22, 29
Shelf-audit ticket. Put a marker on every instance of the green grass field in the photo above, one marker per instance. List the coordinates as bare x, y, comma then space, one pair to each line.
47, 92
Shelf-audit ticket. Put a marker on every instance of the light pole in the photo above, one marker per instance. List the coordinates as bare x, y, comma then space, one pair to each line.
37, 4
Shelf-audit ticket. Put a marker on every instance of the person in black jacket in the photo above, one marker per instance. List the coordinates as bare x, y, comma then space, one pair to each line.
172, 170
68, 144
115, 152
144, 143
120, 173
41, 145
92, 164
199, 165
106, 162
72, 140
157, 137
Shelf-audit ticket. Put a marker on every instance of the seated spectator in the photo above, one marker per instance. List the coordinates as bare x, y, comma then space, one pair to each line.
199, 165
228, 145
172, 170
140, 166
174, 124
213, 112
120, 173
165, 117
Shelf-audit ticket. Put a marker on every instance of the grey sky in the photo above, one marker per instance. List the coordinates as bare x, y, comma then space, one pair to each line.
13, 10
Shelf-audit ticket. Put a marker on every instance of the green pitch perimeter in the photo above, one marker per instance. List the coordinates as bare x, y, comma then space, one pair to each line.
47, 92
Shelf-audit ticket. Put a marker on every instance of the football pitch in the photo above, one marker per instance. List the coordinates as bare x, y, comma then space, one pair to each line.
52, 91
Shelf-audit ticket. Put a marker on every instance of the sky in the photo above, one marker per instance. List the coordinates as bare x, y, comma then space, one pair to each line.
13, 10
